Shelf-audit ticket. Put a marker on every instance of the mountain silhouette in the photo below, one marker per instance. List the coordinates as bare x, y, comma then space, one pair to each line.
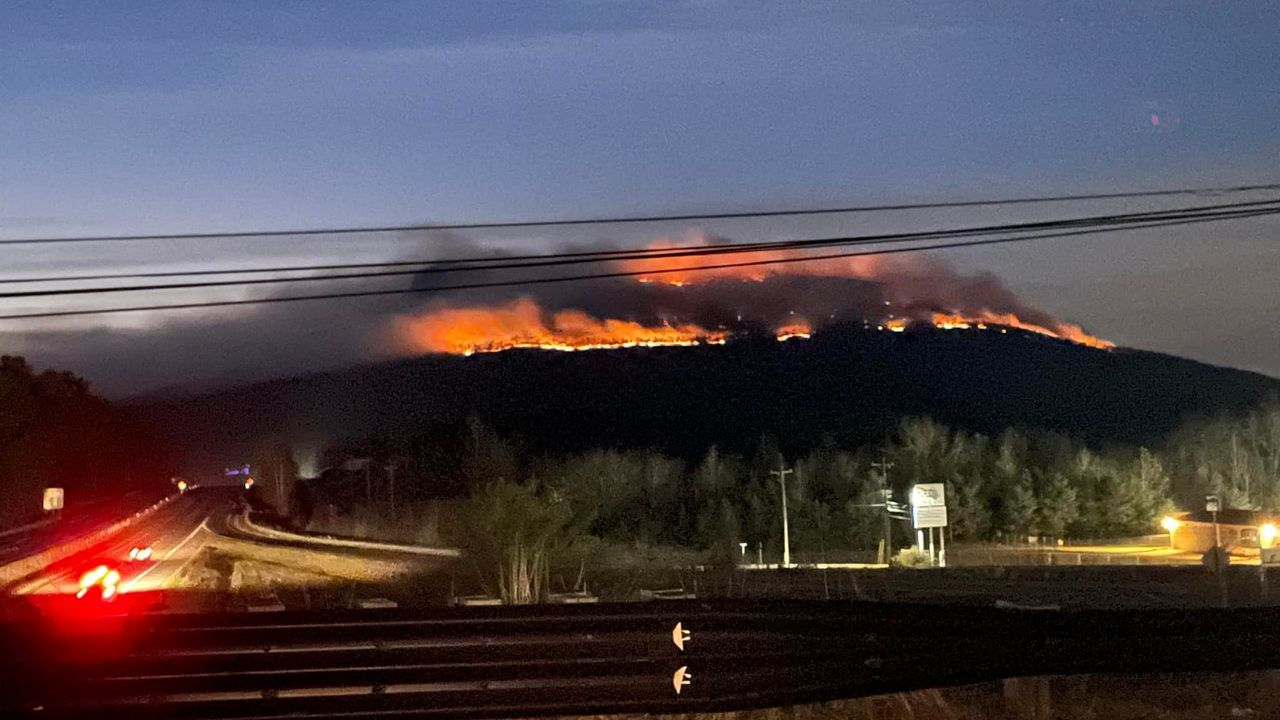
847, 383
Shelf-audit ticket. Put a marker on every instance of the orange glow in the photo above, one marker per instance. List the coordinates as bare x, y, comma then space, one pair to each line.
1060, 330
666, 269
522, 324
795, 329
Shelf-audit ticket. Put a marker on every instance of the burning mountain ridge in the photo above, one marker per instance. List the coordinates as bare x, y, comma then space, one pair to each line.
666, 303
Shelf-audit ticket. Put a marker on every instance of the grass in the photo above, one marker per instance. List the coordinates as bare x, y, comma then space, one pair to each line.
236, 565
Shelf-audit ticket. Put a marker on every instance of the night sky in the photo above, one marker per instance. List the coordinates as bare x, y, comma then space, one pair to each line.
174, 117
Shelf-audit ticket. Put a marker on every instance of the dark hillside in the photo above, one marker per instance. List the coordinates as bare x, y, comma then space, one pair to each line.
848, 383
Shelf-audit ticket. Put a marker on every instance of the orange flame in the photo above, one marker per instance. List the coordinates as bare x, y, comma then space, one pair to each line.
895, 325
1060, 330
796, 328
522, 324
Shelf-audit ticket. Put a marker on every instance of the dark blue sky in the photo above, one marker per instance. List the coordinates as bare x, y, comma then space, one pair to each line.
152, 117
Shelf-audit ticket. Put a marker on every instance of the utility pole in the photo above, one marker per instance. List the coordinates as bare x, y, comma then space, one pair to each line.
782, 472
883, 466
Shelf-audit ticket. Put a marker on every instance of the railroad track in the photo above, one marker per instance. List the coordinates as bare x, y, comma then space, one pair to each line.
660, 657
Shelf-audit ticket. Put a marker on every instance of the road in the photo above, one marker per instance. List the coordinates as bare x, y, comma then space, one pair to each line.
172, 531
233, 568
81, 517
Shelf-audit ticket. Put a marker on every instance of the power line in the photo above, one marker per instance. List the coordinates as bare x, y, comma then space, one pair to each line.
574, 258
568, 222
642, 255
622, 274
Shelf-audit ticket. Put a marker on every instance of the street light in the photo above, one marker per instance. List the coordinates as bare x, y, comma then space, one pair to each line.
1170, 524
1267, 535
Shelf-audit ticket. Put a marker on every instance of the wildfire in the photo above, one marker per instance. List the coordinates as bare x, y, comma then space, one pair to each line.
944, 321
895, 325
758, 296
522, 324
1060, 330
793, 330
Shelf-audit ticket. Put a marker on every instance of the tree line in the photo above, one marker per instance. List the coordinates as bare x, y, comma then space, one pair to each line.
1017, 484
55, 432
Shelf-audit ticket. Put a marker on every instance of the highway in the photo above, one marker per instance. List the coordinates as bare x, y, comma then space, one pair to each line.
171, 531
79, 518
73, 659
259, 568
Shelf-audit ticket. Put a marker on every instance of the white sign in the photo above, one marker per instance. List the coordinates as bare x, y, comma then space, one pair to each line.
53, 498
1211, 503
929, 505
929, 516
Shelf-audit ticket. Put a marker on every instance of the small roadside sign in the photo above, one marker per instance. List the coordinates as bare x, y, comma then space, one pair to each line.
1211, 503
52, 498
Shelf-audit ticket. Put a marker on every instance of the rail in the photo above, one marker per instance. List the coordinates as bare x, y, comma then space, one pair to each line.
657, 657
244, 525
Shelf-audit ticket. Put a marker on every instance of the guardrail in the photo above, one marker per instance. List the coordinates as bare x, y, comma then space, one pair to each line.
978, 556
243, 524
14, 571
657, 657
29, 527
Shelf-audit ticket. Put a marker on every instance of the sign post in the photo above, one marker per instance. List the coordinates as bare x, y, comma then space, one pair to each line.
929, 511
1211, 506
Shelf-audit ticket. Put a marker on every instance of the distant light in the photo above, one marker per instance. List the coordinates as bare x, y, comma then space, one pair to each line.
1267, 535
1169, 523
92, 577
182, 486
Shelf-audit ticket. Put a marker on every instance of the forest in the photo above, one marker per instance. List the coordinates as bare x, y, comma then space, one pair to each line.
1007, 488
